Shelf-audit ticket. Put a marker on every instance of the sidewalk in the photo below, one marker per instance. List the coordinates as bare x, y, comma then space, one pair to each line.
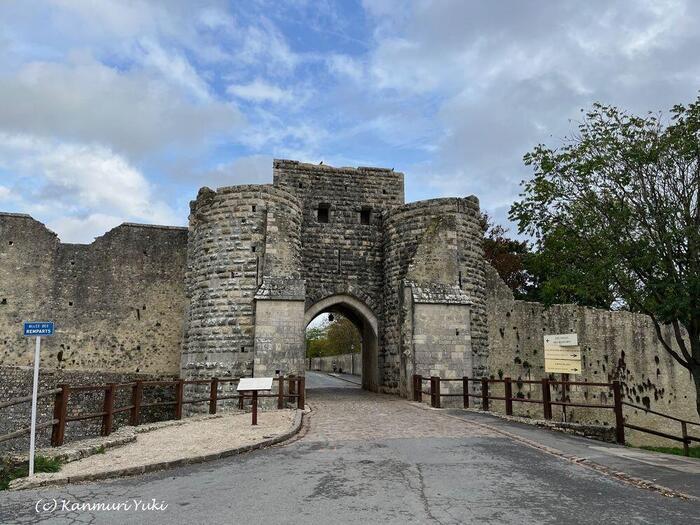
678, 473
357, 380
173, 444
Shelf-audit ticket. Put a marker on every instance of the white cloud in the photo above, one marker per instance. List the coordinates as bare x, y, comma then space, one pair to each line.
176, 68
132, 111
346, 66
504, 76
5, 193
251, 169
83, 229
69, 181
260, 91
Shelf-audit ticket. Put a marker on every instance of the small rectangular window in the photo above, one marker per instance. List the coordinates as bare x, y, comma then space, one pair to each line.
323, 212
365, 215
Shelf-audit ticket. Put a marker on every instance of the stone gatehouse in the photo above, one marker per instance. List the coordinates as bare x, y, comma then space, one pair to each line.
264, 260
233, 293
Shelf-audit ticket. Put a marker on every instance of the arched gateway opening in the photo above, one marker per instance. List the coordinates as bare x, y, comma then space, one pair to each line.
366, 323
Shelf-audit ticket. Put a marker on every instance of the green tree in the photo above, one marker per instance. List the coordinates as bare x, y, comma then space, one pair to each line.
338, 336
615, 218
507, 256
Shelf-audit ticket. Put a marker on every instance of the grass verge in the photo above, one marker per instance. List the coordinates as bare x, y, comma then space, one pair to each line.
678, 451
41, 464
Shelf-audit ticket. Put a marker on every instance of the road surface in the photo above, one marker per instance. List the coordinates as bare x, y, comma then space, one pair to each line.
365, 458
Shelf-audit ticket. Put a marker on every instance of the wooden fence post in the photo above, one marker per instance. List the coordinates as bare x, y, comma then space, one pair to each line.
465, 391
108, 409
686, 441
292, 389
254, 408
508, 389
136, 397
546, 398
619, 419
302, 387
280, 392
179, 397
484, 394
60, 412
213, 394
435, 392
417, 388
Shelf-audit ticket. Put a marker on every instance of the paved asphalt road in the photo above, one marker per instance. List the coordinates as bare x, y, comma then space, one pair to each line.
391, 463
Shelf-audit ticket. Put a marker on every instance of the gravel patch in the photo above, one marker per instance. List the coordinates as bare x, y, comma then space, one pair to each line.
169, 446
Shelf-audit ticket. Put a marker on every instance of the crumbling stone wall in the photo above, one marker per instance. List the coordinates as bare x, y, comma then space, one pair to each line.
118, 303
614, 345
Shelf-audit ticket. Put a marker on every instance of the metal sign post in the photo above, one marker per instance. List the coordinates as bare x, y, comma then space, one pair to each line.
35, 330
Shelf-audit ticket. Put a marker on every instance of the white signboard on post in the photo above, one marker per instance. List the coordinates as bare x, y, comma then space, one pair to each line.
35, 330
249, 384
562, 354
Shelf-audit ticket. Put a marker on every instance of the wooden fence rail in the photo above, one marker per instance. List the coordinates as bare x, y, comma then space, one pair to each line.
63, 394
547, 403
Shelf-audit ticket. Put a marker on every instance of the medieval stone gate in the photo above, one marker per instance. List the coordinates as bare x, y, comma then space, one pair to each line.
264, 260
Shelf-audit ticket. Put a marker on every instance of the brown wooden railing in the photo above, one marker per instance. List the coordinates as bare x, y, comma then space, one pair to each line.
685, 438
545, 384
295, 392
19, 401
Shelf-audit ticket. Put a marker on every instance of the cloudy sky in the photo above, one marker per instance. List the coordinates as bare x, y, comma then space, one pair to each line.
119, 110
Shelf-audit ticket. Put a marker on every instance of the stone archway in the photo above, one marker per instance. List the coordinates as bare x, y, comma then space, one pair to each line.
367, 324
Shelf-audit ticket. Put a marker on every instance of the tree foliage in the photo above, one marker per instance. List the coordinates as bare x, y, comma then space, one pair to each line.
615, 218
339, 336
507, 256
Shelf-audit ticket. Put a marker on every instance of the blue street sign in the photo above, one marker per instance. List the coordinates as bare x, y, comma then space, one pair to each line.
38, 329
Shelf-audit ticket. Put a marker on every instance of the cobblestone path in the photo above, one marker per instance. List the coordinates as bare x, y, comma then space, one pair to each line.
347, 414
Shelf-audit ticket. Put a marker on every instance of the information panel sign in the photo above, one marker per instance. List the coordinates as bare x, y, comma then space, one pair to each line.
562, 354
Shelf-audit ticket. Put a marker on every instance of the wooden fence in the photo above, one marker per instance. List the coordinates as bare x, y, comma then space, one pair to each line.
295, 392
545, 384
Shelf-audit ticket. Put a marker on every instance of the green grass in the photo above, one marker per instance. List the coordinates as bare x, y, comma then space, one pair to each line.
678, 451
41, 464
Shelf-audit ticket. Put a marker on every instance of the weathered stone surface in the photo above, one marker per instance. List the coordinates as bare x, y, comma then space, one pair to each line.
259, 256
118, 303
614, 345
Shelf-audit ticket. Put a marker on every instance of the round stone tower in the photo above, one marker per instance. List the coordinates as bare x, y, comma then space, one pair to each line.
434, 291
238, 236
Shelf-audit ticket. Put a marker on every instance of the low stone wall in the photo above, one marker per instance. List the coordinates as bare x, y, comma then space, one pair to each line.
17, 382
614, 346
346, 363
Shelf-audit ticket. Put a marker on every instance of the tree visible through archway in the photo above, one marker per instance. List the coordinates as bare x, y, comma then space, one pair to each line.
333, 343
